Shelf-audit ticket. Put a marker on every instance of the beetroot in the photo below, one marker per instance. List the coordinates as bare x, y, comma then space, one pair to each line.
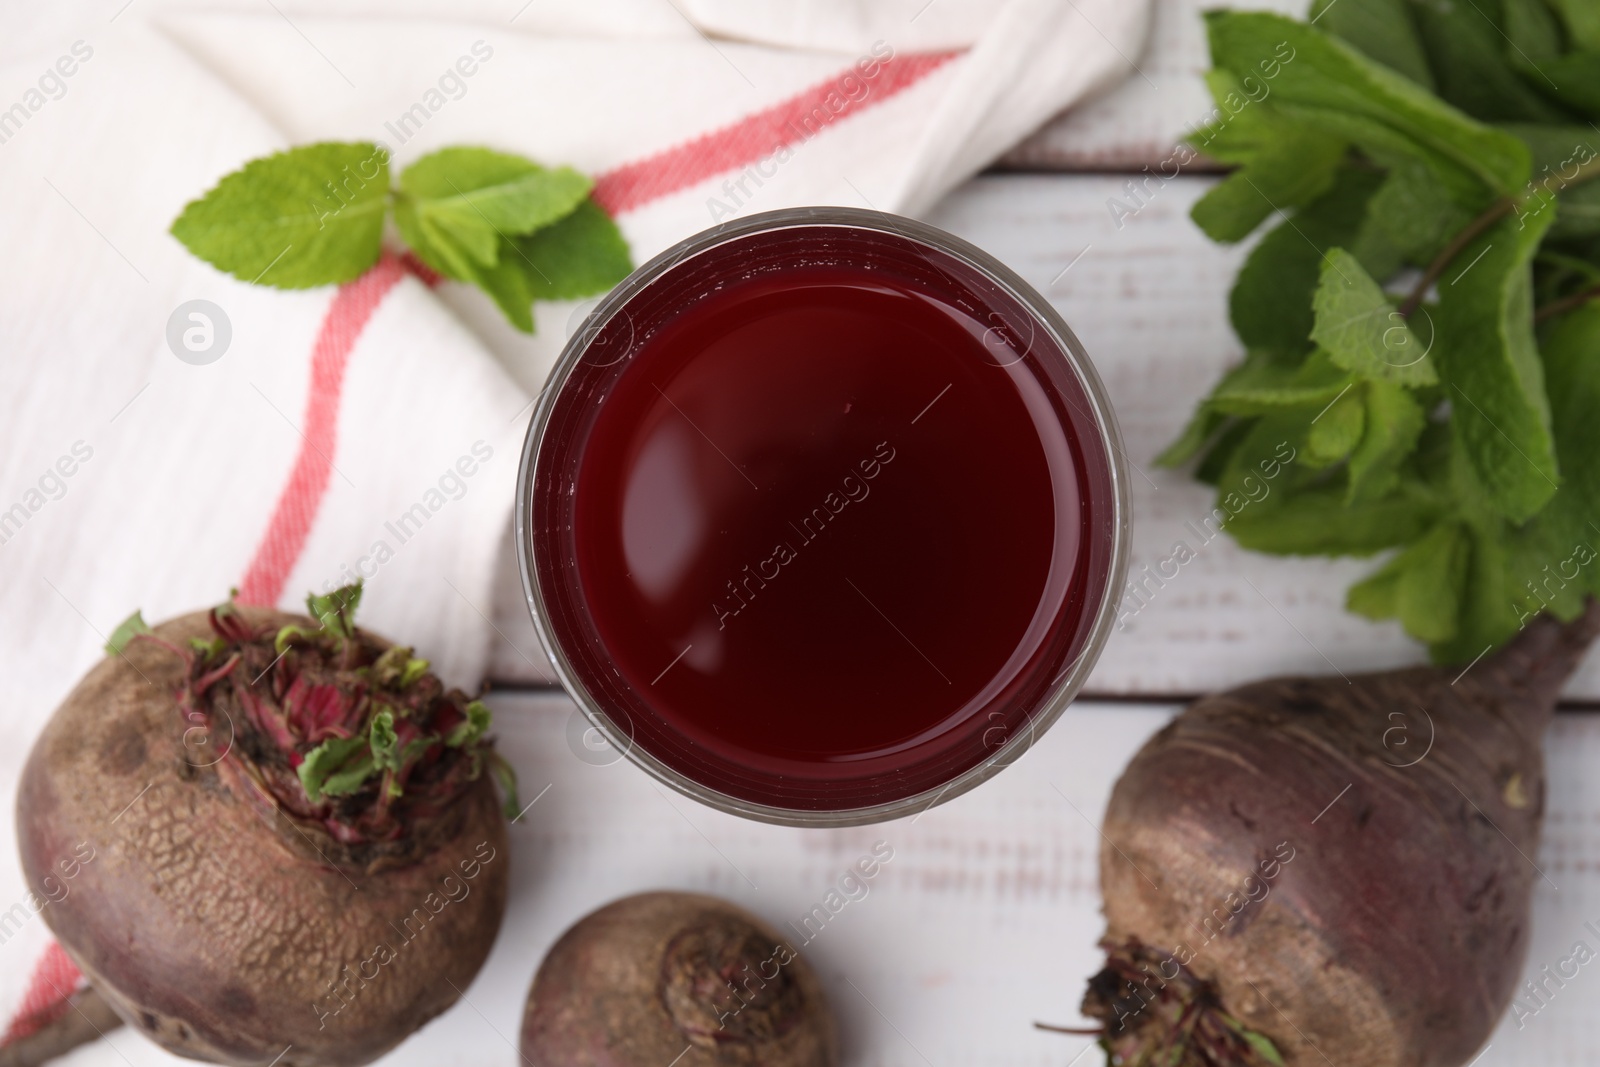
1331, 870
296, 853
675, 978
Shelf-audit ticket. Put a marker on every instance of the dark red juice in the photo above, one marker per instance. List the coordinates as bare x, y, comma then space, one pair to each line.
833, 528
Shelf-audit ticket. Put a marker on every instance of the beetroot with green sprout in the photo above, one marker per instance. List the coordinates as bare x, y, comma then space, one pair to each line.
298, 853
676, 978
1313, 870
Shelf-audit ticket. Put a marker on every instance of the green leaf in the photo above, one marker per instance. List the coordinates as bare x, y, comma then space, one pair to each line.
1270, 303
1573, 79
1262, 1046
1261, 388
1552, 558
305, 217
336, 611
352, 776
1393, 424
1532, 32
208, 649
1489, 613
1558, 152
287, 635
478, 195
412, 673
1316, 522
1408, 220
473, 727
1432, 584
1361, 330
1376, 596
383, 742
579, 255
1383, 30
1467, 53
1200, 430
1337, 429
582, 255
126, 631
1489, 362
506, 778
1283, 164
1326, 82
1582, 20
474, 215
324, 760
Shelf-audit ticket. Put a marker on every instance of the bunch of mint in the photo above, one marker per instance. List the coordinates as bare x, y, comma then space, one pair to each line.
314, 215
1418, 326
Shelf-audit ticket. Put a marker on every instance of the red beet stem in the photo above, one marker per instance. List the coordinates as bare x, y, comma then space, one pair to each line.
1530, 670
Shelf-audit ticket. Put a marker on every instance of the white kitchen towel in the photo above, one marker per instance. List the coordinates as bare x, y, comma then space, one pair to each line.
130, 478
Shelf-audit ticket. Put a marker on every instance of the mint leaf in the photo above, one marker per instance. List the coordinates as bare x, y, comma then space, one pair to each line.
1532, 33
1338, 428
1467, 53
1325, 82
1264, 388
326, 759
1283, 164
336, 611
1361, 330
1201, 428
1432, 585
1488, 608
581, 255
578, 255
1383, 30
1574, 80
1582, 21
1317, 522
126, 631
1393, 424
305, 217
1408, 220
1270, 304
478, 195
1490, 365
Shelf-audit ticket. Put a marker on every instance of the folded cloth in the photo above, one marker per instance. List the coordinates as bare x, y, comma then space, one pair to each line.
372, 430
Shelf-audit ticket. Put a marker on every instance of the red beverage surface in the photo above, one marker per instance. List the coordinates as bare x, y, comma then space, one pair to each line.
829, 525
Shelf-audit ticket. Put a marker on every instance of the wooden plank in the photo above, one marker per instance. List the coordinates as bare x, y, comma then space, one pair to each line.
984, 921
1148, 299
1140, 121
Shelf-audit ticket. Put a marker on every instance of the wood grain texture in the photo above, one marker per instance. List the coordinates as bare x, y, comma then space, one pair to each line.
1141, 120
1148, 300
984, 921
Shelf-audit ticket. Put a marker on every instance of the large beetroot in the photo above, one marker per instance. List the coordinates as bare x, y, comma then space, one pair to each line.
295, 853
1334, 870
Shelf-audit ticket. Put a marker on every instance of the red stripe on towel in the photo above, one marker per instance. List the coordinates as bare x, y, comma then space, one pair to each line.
756, 136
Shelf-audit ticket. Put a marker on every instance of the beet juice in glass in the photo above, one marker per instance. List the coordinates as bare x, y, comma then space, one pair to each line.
822, 516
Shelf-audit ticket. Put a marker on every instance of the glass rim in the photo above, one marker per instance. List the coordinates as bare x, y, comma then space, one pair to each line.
1062, 692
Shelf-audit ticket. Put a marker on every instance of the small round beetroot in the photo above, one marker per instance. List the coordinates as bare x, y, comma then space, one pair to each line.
676, 978
222, 905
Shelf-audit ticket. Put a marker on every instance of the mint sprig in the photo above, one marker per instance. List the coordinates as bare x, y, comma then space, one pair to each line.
314, 215
1421, 331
